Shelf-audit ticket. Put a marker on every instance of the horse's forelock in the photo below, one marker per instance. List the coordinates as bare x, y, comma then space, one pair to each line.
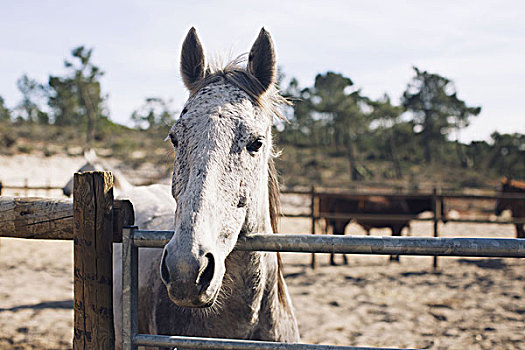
233, 72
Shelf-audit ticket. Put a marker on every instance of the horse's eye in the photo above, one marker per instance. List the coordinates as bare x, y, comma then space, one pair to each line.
254, 146
242, 202
173, 140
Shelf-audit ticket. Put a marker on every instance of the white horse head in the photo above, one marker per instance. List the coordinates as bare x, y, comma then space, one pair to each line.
222, 169
92, 164
152, 203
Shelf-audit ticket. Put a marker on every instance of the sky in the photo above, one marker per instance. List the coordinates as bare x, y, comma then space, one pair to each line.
480, 45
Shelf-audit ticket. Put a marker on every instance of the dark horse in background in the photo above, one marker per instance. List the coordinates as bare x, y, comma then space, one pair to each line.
516, 206
341, 204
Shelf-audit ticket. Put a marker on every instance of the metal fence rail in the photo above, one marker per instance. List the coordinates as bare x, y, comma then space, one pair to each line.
134, 238
402, 217
26, 188
235, 344
403, 195
470, 247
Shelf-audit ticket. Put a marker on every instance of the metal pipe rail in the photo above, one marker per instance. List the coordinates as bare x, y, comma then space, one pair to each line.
357, 194
234, 344
134, 238
469, 247
401, 217
24, 187
404, 218
365, 216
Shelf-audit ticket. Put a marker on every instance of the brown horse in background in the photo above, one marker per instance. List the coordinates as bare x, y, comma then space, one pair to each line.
340, 204
516, 206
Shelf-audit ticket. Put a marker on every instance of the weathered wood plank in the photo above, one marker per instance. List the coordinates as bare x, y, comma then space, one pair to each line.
314, 215
44, 218
36, 218
123, 215
93, 260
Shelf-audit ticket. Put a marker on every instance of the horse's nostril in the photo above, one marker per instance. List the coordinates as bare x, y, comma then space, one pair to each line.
164, 272
205, 277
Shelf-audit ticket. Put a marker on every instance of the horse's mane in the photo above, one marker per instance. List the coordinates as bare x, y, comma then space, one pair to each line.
275, 211
234, 72
274, 195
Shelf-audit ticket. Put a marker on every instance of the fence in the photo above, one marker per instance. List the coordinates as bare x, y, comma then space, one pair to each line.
26, 189
94, 221
134, 238
437, 216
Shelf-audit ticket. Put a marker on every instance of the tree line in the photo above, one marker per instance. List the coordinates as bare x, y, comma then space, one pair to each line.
76, 99
333, 115
330, 116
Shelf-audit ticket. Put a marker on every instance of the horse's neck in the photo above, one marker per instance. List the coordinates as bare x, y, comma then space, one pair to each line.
255, 269
121, 184
256, 282
252, 281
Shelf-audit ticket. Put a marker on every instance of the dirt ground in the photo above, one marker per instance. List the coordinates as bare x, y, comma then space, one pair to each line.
466, 304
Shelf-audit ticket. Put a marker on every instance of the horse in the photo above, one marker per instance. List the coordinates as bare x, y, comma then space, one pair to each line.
94, 163
389, 205
225, 185
517, 206
153, 204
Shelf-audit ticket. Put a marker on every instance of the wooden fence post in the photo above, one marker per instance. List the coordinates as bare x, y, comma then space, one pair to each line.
314, 207
93, 258
436, 210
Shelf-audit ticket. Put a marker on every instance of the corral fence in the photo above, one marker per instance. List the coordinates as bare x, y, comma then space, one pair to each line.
133, 239
94, 221
26, 189
436, 217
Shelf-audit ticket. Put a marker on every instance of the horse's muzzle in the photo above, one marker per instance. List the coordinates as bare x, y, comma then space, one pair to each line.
190, 281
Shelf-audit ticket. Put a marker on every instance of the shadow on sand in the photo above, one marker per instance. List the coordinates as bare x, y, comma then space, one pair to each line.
60, 304
494, 264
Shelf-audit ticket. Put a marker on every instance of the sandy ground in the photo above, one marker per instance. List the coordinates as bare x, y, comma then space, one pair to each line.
465, 304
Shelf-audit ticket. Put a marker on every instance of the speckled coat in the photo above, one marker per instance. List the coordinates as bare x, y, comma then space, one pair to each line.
225, 186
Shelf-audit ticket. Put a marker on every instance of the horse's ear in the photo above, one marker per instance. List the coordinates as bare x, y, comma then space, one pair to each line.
261, 61
192, 62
